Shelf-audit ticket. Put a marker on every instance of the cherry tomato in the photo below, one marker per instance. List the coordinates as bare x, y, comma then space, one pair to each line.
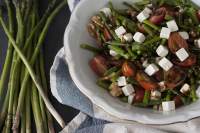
106, 34
139, 95
98, 65
157, 19
178, 101
190, 61
174, 77
128, 69
176, 42
145, 81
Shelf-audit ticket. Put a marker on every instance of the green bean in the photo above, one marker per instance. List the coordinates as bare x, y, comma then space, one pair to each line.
111, 70
151, 41
132, 81
151, 103
91, 48
193, 90
116, 43
163, 41
146, 97
168, 17
155, 27
119, 51
168, 96
148, 30
132, 6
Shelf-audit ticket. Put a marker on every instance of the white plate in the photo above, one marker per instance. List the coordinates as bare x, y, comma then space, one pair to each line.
85, 79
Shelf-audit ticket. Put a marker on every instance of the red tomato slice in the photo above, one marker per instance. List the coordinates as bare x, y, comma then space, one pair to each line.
178, 101
139, 95
198, 14
176, 42
128, 69
174, 77
99, 65
190, 61
145, 81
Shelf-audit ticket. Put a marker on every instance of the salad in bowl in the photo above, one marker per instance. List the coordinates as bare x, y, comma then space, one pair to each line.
148, 54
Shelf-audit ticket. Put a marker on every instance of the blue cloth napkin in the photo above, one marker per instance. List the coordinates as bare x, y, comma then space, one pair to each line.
93, 119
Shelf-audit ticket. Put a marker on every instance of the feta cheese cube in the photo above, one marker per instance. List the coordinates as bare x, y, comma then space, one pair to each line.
147, 10
165, 64
162, 51
113, 53
155, 95
106, 11
128, 37
184, 35
182, 54
168, 106
151, 69
131, 98
198, 91
120, 31
121, 81
142, 16
162, 86
128, 89
197, 43
172, 25
165, 33
139, 37
185, 88
145, 64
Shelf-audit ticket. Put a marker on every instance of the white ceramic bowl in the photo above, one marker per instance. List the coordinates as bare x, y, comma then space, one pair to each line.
85, 79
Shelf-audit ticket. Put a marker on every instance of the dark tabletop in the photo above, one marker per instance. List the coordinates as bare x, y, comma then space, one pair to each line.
53, 42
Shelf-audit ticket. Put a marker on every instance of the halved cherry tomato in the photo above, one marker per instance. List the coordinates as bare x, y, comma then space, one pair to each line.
176, 42
178, 101
106, 34
139, 95
98, 65
146, 82
190, 61
128, 69
159, 16
174, 77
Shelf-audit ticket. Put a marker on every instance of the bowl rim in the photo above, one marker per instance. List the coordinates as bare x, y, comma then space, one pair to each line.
141, 119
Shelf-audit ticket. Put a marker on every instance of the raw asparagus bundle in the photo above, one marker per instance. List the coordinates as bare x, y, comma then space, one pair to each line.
26, 90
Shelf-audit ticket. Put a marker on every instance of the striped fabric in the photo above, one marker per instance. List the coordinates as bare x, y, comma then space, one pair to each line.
91, 118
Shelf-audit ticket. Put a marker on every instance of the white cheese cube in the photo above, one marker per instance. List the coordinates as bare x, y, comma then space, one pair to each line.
113, 53
155, 94
120, 31
106, 11
145, 64
151, 69
165, 33
147, 10
182, 54
142, 16
162, 86
128, 89
172, 25
131, 98
128, 37
185, 88
165, 64
162, 51
197, 43
121, 81
184, 35
198, 91
168, 106
139, 37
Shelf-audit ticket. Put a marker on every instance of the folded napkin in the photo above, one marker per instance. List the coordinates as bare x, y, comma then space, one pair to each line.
93, 119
